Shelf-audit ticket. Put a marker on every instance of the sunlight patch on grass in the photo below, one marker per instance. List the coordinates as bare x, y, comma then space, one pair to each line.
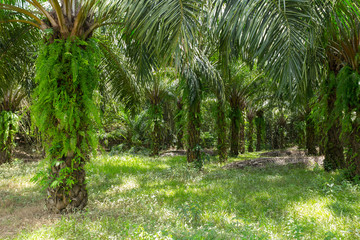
129, 184
246, 156
313, 208
18, 184
274, 178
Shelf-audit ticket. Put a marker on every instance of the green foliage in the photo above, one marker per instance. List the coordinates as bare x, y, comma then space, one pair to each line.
134, 128
348, 95
9, 125
64, 110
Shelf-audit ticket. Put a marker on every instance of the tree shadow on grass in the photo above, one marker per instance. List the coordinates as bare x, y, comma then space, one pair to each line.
22, 209
12, 198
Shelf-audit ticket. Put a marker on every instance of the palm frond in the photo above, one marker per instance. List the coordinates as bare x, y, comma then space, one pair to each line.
170, 27
17, 53
119, 76
274, 32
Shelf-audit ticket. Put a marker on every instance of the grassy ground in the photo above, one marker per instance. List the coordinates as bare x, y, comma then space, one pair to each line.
135, 197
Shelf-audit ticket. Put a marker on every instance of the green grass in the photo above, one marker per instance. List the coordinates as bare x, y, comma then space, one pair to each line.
136, 197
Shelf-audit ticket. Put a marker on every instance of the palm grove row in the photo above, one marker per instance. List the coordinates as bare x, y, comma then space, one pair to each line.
272, 71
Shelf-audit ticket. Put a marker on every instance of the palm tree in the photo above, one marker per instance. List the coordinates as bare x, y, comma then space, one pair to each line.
235, 92
240, 87
342, 98
200, 73
157, 92
15, 72
66, 75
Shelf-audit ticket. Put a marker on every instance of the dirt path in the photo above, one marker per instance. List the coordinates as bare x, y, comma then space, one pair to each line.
173, 153
27, 153
14, 219
283, 157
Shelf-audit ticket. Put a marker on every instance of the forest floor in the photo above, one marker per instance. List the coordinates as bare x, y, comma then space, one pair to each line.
139, 197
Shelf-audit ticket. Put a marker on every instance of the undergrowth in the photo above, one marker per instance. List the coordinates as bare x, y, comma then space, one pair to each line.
138, 197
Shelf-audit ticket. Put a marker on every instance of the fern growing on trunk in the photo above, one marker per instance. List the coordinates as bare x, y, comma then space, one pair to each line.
64, 111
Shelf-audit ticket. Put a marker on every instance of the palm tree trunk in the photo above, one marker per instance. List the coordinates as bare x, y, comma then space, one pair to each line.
242, 138
310, 134
156, 137
281, 139
322, 142
168, 116
6, 150
234, 129
179, 124
221, 131
179, 136
258, 138
242, 133
60, 199
5, 156
156, 131
251, 135
281, 131
194, 123
259, 124
276, 136
269, 134
334, 150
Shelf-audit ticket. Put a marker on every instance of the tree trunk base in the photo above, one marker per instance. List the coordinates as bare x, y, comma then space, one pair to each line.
5, 157
334, 151
63, 200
